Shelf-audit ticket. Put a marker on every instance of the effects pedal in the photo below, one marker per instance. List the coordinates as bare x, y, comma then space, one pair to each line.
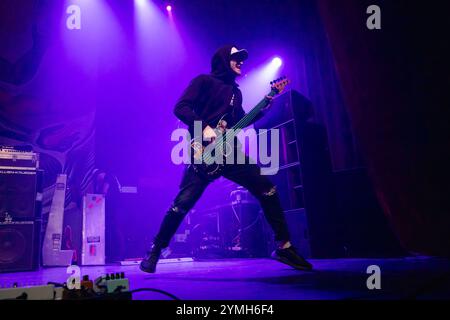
112, 283
42, 292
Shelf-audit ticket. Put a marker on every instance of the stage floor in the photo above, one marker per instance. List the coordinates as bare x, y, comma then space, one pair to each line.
265, 279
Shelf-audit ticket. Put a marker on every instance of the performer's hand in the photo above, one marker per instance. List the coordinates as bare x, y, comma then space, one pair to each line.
270, 98
209, 133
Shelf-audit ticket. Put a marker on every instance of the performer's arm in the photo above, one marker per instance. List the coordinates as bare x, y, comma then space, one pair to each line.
184, 108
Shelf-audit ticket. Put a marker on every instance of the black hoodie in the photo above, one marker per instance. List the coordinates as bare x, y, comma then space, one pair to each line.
209, 97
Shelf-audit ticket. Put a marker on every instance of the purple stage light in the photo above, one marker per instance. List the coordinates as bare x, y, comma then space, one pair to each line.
277, 62
254, 84
141, 2
169, 8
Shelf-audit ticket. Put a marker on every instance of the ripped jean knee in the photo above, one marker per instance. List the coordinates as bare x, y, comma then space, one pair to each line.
176, 210
271, 192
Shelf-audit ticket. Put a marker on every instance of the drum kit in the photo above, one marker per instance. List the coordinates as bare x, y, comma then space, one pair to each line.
233, 230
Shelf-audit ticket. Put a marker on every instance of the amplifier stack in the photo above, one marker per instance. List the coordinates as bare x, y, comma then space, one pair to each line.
20, 210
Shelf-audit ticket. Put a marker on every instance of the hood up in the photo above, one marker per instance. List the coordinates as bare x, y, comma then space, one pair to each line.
220, 65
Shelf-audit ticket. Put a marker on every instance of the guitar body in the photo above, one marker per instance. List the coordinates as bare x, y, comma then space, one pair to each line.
210, 169
203, 153
209, 172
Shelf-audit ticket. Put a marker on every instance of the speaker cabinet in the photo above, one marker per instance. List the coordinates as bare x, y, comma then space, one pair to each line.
20, 220
18, 191
19, 246
304, 179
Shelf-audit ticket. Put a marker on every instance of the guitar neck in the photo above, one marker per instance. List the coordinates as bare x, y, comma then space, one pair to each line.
247, 119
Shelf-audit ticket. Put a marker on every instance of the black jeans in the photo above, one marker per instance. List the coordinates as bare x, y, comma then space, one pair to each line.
246, 175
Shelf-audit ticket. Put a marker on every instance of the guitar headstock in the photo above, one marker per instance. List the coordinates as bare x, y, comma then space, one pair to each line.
279, 84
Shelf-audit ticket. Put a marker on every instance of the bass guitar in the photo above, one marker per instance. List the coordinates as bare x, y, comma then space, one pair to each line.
210, 156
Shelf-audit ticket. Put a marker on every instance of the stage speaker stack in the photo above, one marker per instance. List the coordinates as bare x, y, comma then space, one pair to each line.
20, 210
304, 179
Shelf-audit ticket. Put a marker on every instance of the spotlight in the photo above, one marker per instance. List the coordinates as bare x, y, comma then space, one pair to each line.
141, 3
169, 8
277, 62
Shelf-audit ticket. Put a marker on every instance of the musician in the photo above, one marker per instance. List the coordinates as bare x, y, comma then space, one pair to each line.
207, 97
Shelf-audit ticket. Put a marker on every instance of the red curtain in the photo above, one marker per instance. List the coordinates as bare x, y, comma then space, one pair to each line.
395, 85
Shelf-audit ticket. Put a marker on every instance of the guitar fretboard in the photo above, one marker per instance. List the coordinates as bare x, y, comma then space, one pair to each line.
247, 119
